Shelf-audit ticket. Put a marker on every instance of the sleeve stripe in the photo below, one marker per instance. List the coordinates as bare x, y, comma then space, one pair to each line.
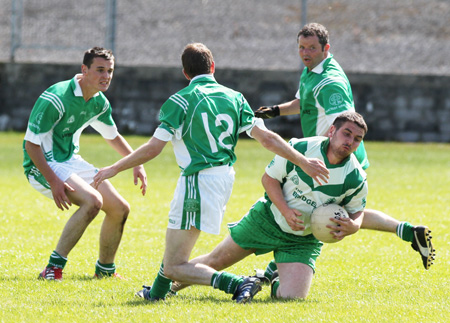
327, 81
182, 102
55, 100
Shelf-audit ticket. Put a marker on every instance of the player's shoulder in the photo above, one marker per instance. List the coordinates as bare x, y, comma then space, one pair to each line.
359, 174
305, 144
60, 88
55, 96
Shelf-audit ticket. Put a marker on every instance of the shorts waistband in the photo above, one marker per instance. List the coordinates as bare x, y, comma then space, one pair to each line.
217, 170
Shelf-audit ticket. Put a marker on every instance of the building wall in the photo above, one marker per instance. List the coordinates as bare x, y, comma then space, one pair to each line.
407, 108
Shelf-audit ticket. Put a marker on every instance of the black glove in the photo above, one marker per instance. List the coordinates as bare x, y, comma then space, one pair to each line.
268, 112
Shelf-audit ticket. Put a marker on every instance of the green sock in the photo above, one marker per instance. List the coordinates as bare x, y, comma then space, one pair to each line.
275, 286
104, 269
161, 285
226, 282
271, 267
405, 231
56, 260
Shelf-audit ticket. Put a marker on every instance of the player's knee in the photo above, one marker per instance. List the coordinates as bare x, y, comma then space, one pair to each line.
123, 209
170, 272
291, 292
282, 295
92, 204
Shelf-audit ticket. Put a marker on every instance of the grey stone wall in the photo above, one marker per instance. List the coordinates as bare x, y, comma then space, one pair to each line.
407, 108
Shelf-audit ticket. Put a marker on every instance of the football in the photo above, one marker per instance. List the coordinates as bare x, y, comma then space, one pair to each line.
320, 218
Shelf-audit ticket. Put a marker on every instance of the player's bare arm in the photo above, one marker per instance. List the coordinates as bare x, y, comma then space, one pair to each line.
287, 108
273, 189
57, 186
143, 154
315, 168
124, 149
346, 226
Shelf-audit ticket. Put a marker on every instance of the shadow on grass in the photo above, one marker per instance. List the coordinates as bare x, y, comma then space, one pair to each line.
208, 299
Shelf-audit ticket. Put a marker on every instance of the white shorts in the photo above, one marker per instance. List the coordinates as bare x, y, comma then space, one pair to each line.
200, 199
75, 165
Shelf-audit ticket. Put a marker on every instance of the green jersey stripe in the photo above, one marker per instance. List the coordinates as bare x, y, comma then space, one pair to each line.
56, 102
180, 101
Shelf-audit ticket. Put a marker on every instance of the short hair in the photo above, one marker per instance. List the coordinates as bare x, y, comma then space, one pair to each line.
315, 29
94, 52
350, 116
197, 59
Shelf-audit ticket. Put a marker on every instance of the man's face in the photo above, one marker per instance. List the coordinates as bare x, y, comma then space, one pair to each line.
98, 76
310, 51
345, 140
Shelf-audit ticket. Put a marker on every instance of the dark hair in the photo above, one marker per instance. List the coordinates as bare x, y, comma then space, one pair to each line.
197, 59
315, 29
350, 116
94, 52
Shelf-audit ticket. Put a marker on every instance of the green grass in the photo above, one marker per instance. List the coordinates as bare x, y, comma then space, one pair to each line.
368, 277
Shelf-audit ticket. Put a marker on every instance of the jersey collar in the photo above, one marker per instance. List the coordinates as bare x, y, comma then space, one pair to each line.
319, 68
76, 86
324, 148
203, 77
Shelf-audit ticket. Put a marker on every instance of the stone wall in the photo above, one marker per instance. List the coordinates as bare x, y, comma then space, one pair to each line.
407, 108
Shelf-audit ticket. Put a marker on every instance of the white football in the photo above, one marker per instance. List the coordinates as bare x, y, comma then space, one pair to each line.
320, 218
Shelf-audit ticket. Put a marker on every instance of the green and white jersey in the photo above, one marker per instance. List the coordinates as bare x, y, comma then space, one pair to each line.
347, 184
58, 118
324, 93
203, 121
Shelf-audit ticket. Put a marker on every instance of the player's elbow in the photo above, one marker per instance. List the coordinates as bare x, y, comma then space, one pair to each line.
269, 140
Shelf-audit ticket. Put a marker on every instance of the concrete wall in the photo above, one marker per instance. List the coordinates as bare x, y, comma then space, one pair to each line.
405, 108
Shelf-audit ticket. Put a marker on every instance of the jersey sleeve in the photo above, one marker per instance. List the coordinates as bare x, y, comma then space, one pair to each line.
172, 116
105, 124
335, 97
46, 112
247, 117
356, 201
356, 189
278, 167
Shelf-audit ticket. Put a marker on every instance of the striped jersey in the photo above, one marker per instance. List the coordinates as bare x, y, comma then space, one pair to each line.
347, 185
58, 118
324, 93
204, 121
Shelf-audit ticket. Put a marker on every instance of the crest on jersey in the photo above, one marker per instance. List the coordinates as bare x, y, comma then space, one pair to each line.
71, 119
336, 99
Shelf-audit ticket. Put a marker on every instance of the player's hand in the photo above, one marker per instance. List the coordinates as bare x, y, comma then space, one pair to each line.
139, 173
317, 170
292, 219
103, 174
266, 112
343, 227
60, 198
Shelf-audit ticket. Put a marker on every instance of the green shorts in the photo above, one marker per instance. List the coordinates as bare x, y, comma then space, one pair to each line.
258, 230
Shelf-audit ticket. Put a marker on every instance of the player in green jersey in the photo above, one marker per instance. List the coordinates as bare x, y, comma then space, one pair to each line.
280, 221
203, 121
54, 168
324, 92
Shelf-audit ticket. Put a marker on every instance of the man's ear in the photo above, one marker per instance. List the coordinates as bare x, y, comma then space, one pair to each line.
213, 67
185, 75
84, 69
331, 131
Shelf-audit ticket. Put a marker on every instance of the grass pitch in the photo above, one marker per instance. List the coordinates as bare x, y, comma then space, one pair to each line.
368, 277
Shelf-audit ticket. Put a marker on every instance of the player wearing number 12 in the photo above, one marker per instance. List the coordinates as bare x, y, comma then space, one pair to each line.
204, 121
